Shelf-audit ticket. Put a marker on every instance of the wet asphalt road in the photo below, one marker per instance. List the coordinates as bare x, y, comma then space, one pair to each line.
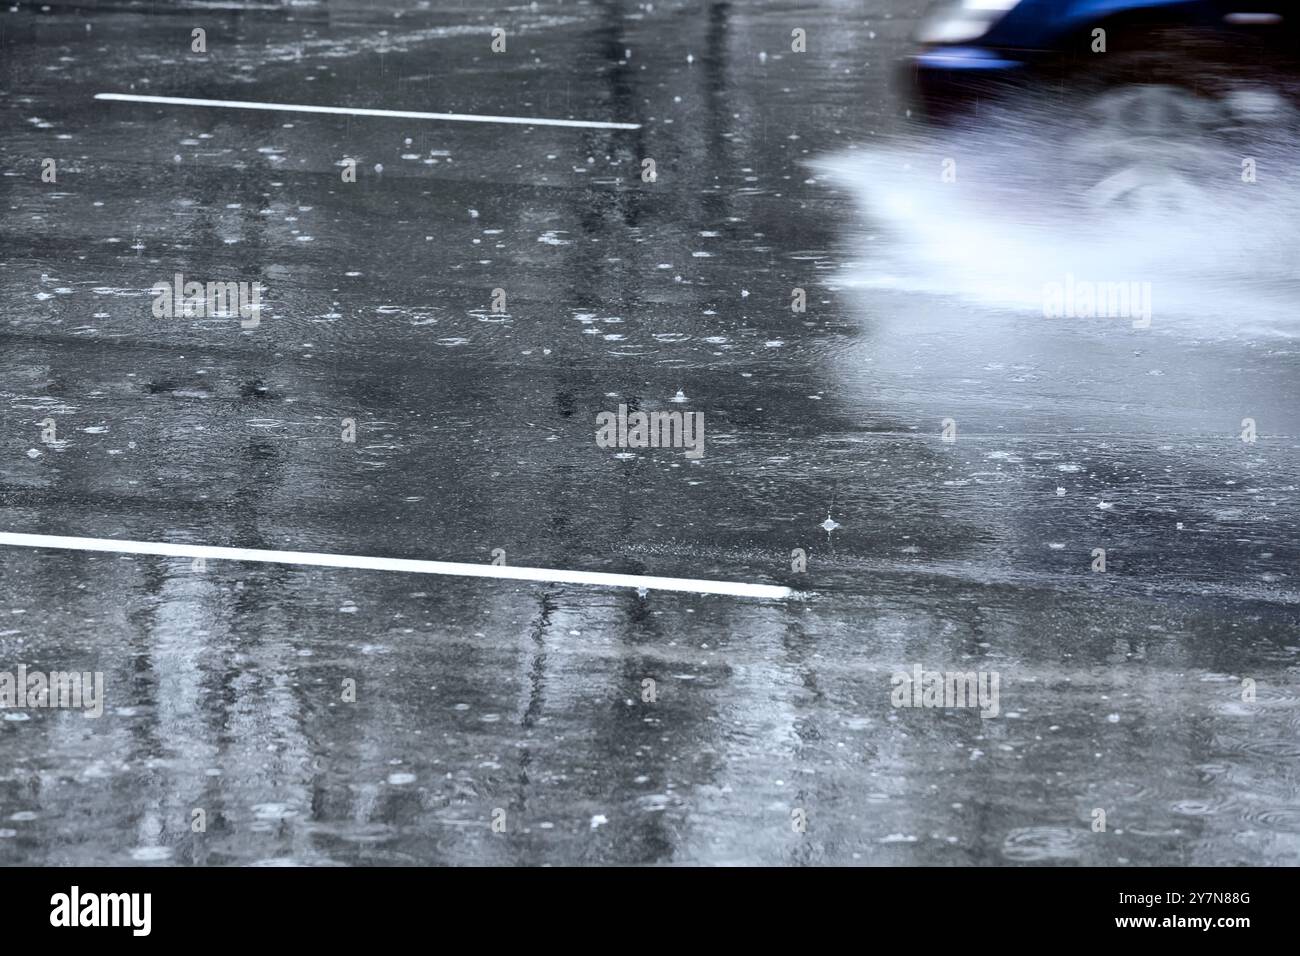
1120, 690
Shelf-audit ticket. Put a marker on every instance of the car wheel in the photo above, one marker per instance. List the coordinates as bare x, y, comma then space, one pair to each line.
1147, 146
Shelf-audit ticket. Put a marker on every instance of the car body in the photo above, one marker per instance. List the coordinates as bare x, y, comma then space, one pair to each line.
968, 49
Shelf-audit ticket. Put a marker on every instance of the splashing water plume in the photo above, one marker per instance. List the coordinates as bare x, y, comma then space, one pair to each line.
998, 211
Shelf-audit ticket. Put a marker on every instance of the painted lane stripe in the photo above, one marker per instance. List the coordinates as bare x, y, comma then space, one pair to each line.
357, 111
116, 546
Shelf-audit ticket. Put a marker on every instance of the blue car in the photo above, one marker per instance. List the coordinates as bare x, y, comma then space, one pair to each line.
1150, 99
971, 49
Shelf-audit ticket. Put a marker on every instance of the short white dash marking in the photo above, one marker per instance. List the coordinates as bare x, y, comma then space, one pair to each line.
558, 576
358, 111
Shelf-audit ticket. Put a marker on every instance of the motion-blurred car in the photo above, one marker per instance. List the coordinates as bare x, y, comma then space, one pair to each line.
978, 47
1151, 87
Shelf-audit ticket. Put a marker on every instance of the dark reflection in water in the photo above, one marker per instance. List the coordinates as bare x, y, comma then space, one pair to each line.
474, 699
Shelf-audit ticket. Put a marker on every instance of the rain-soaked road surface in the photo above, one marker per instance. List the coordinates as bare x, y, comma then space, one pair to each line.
1120, 691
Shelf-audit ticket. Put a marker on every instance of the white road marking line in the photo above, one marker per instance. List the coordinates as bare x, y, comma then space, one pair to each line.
116, 546
357, 111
